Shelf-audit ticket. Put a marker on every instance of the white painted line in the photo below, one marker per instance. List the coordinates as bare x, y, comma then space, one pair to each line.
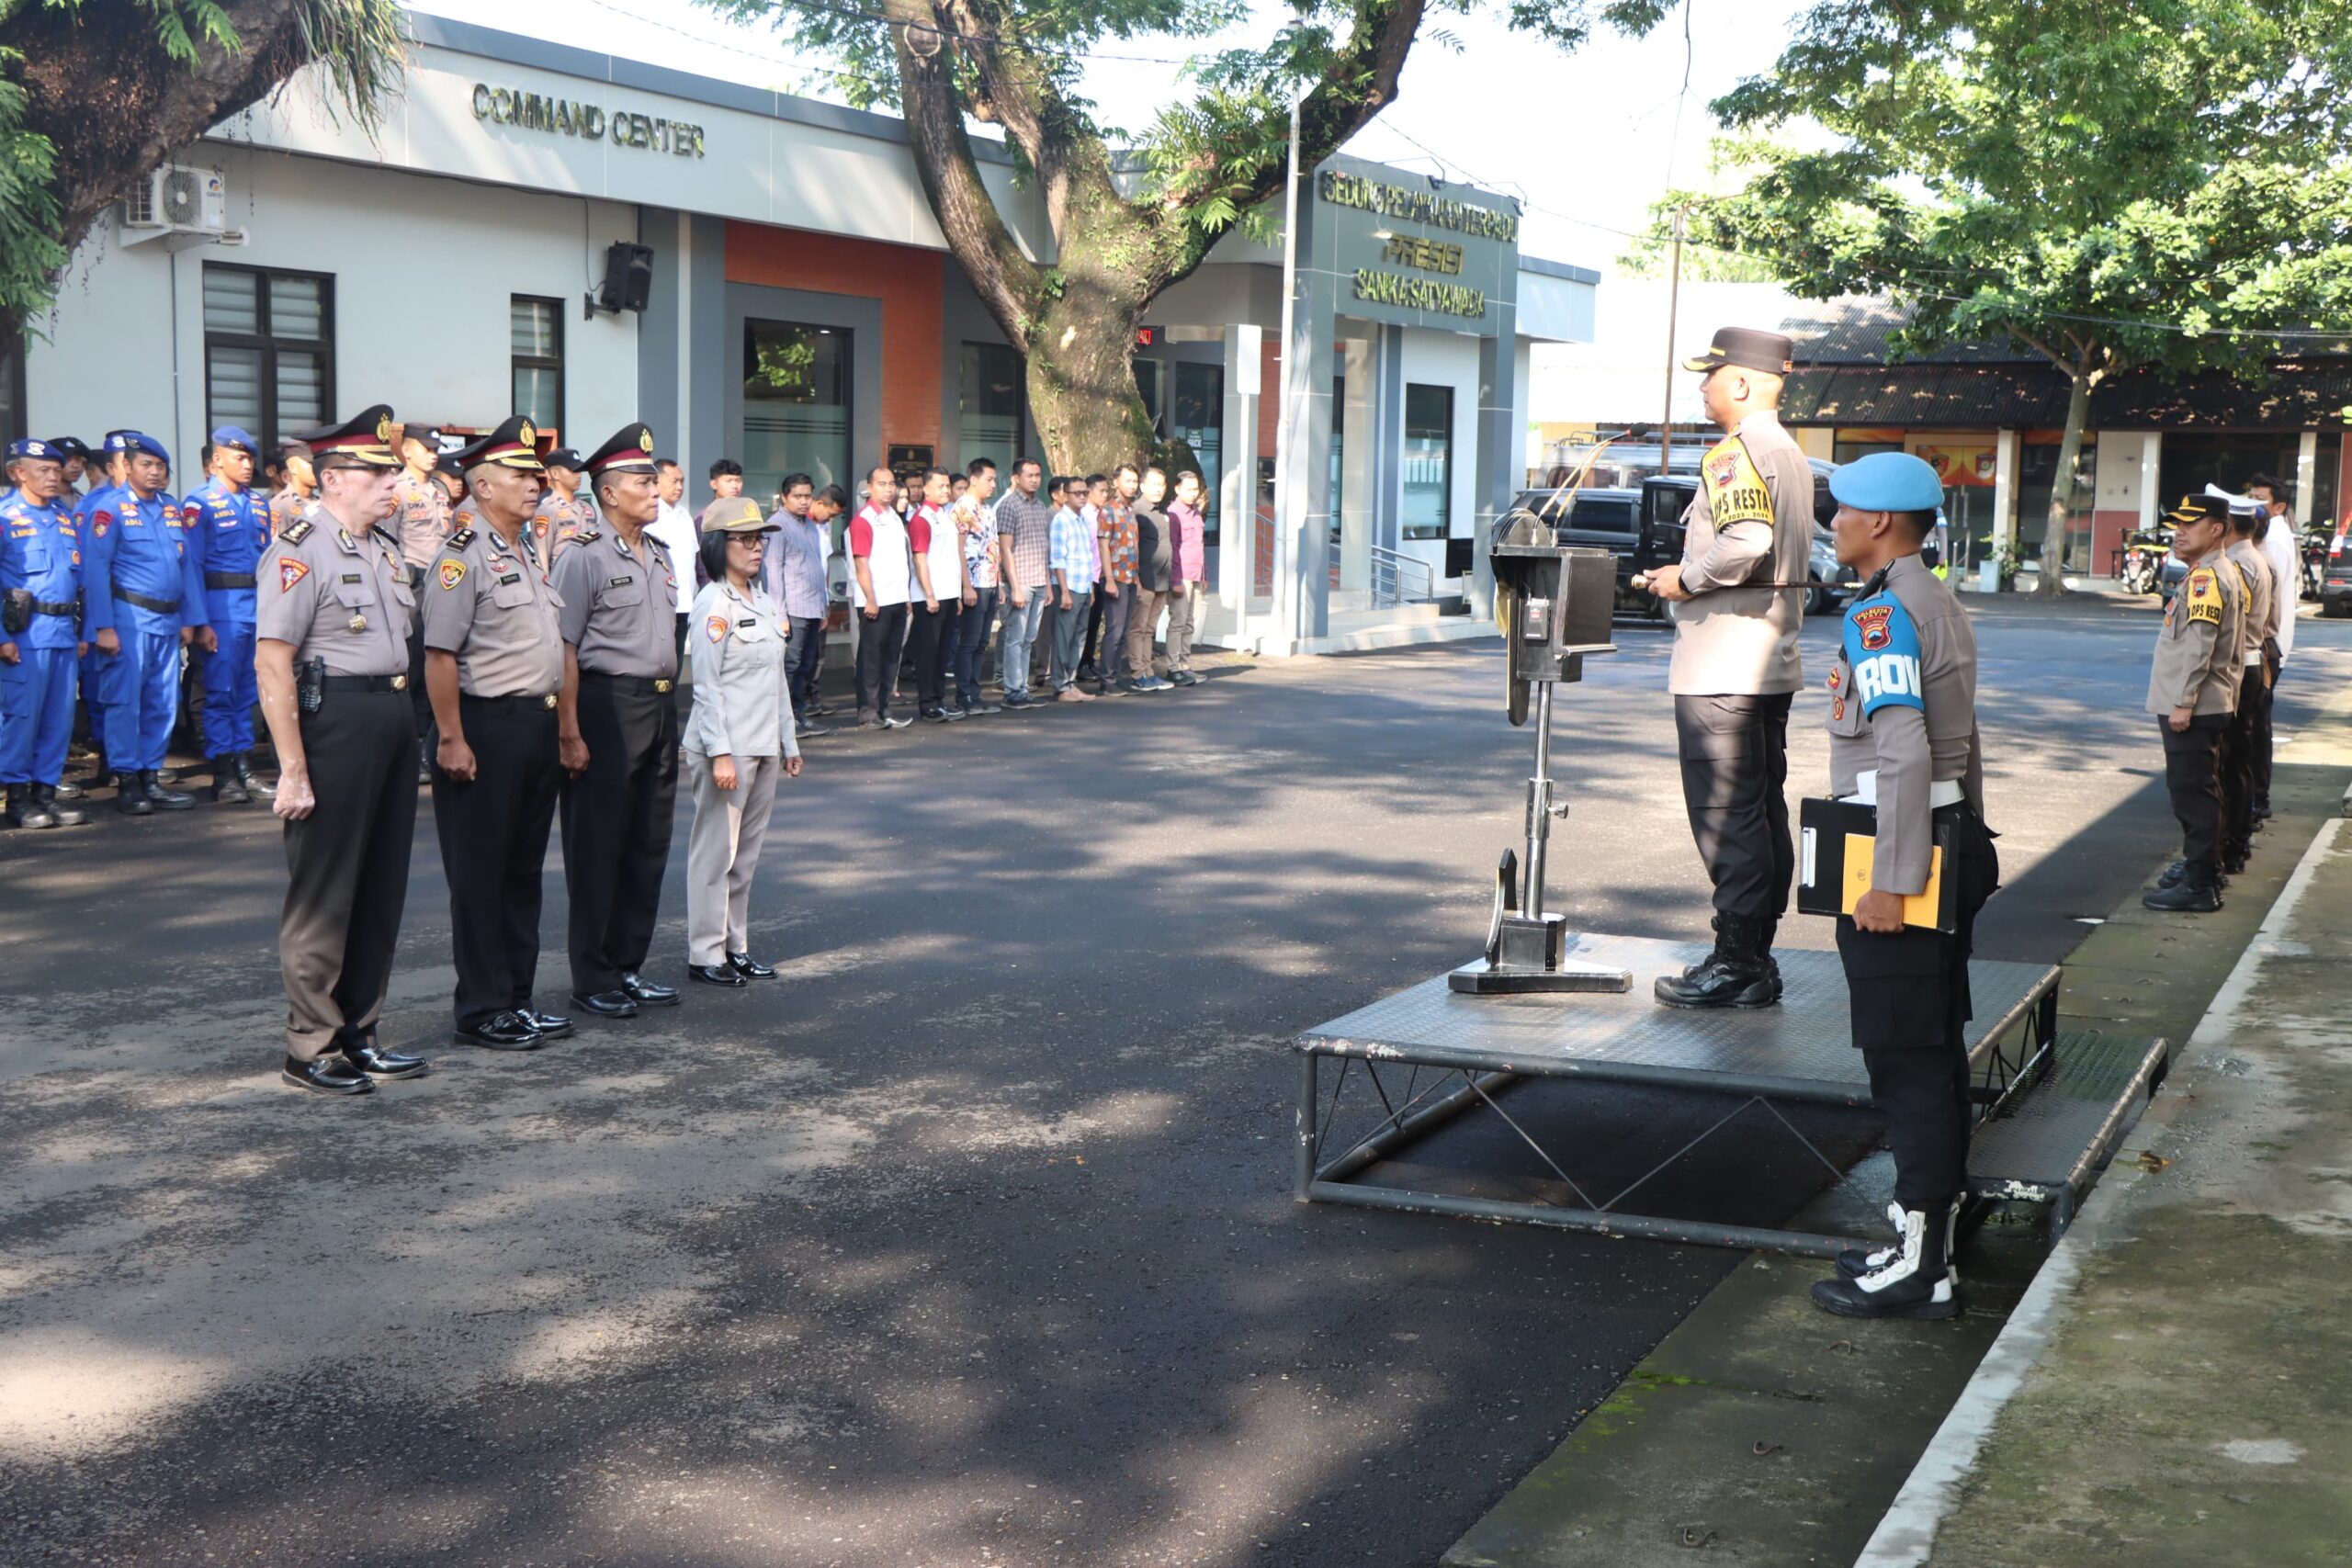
1906, 1537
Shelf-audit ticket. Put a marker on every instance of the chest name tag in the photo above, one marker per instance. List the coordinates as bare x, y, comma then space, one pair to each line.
510, 579
620, 582
351, 577
748, 622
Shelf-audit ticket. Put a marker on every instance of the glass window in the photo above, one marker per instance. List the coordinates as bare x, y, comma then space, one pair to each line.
1151, 380
1338, 466
1429, 461
1845, 452
992, 407
796, 405
536, 346
1197, 418
268, 350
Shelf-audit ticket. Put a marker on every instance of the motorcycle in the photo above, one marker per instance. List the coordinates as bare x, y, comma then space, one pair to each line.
2143, 559
2317, 544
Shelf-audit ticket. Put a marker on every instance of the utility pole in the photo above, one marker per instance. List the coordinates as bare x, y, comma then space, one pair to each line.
1673, 309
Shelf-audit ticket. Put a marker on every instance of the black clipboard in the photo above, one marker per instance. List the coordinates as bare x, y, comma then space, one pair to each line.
1835, 843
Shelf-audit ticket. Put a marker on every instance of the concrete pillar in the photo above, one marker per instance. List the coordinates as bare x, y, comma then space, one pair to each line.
1238, 489
2152, 451
2006, 457
1303, 470
1359, 467
1498, 444
2306, 475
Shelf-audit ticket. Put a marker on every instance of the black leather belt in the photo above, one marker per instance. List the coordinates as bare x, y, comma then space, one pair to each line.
68, 608
525, 698
161, 606
228, 580
363, 684
639, 685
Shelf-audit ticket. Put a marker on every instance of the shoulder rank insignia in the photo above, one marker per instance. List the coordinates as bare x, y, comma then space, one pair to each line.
578, 534
296, 530
461, 539
389, 539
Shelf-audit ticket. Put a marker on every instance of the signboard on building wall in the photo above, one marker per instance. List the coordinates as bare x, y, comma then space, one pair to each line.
1410, 250
1960, 465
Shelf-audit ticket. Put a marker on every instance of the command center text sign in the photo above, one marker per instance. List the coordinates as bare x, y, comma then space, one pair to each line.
566, 117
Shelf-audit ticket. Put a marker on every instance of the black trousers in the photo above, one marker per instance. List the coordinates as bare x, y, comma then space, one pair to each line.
1910, 1003
347, 870
2236, 770
420, 699
878, 643
1734, 752
493, 834
616, 827
931, 635
2193, 777
1094, 613
2259, 734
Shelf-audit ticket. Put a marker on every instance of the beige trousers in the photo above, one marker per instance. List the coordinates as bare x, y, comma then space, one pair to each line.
1183, 616
723, 855
1143, 625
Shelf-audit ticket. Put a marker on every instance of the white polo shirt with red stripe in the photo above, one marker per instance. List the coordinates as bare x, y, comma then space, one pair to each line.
878, 534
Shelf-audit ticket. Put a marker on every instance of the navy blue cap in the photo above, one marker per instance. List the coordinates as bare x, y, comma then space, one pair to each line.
230, 435
563, 457
117, 442
1888, 481
136, 441
32, 448
68, 447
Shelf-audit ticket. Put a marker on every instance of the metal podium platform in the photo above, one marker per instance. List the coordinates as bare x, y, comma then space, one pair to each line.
1429, 1052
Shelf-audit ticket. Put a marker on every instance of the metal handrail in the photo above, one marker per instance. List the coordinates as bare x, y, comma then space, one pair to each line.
1392, 570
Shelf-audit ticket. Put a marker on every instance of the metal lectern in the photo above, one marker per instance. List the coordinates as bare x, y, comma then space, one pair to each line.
1554, 605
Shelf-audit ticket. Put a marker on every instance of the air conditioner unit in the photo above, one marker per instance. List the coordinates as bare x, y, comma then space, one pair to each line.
178, 201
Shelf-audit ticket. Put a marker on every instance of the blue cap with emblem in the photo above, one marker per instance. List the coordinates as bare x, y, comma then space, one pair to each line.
31, 448
135, 442
117, 442
1888, 481
230, 435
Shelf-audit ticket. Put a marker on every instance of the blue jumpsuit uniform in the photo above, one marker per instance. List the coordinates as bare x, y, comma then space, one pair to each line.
138, 579
227, 530
42, 554
94, 663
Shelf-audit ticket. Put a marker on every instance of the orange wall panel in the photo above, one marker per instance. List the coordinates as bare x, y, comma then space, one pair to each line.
911, 285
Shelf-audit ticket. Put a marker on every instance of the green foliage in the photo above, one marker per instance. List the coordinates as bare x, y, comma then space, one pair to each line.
30, 253
2111, 184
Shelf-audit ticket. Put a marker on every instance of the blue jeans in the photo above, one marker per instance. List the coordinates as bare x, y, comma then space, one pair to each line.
1070, 640
801, 649
971, 639
1012, 652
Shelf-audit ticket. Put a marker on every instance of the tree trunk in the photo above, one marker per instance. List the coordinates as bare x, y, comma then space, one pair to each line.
2051, 581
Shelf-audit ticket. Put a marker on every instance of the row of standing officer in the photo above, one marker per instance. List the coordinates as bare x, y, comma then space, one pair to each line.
105, 597
549, 684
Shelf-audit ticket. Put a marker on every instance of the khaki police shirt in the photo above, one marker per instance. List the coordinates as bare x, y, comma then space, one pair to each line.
564, 518
742, 705
1903, 703
1738, 636
618, 606
2260, 622
424, 516
333, 597
2196, 665
486, 602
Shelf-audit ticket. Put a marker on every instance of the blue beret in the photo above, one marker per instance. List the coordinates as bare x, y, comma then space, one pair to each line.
134, 442
116, 441
30, 448
230, 435
1888, 481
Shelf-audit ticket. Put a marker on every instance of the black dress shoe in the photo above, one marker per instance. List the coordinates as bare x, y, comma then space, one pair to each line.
743, 964
607, 1004
503, 1032
379, 1062
161, 799
716, 974
328, 1075
645, 993
551, 1025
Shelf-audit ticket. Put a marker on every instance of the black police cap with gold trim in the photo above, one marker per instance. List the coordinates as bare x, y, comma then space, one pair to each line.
513, 444
363, 441
630, 451
1749, 348
2199, 509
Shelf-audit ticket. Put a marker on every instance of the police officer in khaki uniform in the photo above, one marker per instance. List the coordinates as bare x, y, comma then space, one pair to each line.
1903, 740
563, 512
1738, 595
423, 521
618, 729
494, 663
332, 622
2193, 691
2257, 644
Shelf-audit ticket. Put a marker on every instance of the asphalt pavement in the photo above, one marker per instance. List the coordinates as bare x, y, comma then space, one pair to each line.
968, 1239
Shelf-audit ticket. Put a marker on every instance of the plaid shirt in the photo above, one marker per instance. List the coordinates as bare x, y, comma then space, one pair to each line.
1116, 529
1025, 524
1073, 551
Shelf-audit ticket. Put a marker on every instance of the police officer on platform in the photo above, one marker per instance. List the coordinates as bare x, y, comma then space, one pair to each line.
2193, 688
1738, 595
494, 666
618, 728
228, 532
332, 625
1903, 739
40, 611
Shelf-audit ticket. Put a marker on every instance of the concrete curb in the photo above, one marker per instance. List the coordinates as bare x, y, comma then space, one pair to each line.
1905, 1537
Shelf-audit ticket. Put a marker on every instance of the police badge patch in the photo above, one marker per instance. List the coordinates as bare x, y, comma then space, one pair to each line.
452, 573
717, 627
1871, 624
289, 573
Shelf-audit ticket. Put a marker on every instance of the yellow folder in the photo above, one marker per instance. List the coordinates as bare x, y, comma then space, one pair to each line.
1921, 909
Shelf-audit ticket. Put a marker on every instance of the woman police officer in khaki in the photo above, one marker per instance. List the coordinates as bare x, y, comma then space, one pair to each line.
739, 739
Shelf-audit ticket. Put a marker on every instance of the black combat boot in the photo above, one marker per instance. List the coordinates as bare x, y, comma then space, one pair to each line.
252, 785
161, 799
1737, 975
67, 816
1916, 1282
226, 788
2173, 873
129, 798
24, 809
2197, 892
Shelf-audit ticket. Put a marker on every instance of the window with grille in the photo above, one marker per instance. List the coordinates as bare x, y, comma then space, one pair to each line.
538, 349
268, 350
